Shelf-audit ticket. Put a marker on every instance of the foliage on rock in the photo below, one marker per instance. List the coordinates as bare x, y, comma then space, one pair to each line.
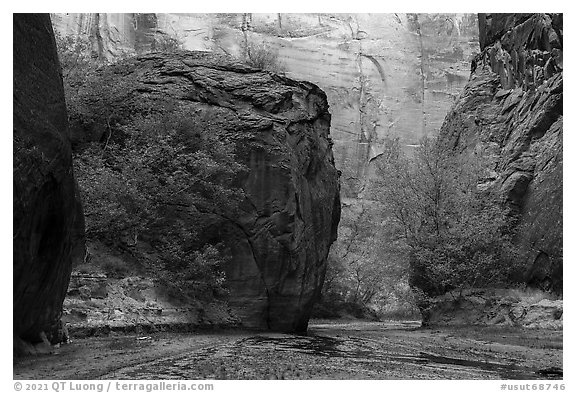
151, 166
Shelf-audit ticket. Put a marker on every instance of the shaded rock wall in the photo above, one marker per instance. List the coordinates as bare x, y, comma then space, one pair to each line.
48, 220
281, 238
511, 113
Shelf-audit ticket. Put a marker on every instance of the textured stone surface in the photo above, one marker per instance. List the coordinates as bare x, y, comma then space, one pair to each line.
511, 112
383, 74
98, 305
48, 221
499, 307
281, 128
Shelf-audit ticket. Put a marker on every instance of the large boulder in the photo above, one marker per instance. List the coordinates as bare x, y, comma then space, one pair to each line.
510, 112
281, 128
48, 220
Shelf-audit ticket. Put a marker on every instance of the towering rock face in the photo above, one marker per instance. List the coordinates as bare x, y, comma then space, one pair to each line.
511, 113
281, 238
48, 219
383, 74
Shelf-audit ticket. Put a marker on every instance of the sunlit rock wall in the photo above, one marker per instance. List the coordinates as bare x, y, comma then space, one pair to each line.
384, 74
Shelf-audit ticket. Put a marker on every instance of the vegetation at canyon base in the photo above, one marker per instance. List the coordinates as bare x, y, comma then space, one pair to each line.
456, 235
156, 177
426, 228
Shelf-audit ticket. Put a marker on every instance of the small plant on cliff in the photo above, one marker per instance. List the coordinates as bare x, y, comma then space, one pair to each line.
166, 43
457, 236
263, 56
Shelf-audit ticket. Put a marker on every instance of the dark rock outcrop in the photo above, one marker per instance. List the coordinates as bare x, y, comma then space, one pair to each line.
281, 239
48, 220
511, 113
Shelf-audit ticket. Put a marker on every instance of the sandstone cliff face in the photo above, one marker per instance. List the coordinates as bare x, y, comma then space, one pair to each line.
281, 238
383, 74
48, 220
511, 113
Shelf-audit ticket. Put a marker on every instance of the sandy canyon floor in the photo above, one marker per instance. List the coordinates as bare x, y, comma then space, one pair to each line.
331, 350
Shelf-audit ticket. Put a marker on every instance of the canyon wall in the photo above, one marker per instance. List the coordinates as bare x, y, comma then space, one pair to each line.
383, 74
48, 220
511, 113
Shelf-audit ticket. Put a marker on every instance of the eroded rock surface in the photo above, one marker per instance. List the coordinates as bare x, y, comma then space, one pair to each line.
280, 127
48, 220
511, 113
98, 305
497, 307
383, 74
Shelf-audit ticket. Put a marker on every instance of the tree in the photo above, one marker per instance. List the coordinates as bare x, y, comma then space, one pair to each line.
77, 64
457, 236
160, 184
365, 266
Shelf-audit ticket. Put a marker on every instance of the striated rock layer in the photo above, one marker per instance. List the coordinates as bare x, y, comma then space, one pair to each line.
48, 220
281, 238
511, 113
383, 74
497, 307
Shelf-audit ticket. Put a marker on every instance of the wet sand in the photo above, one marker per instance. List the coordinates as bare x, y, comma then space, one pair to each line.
331, 350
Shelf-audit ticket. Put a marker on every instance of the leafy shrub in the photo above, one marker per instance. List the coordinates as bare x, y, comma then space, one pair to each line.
200, 278
457, 236
160, 184
158, 176
77, 63
166, 43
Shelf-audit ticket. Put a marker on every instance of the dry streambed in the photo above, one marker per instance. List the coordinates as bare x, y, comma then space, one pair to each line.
351, 350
